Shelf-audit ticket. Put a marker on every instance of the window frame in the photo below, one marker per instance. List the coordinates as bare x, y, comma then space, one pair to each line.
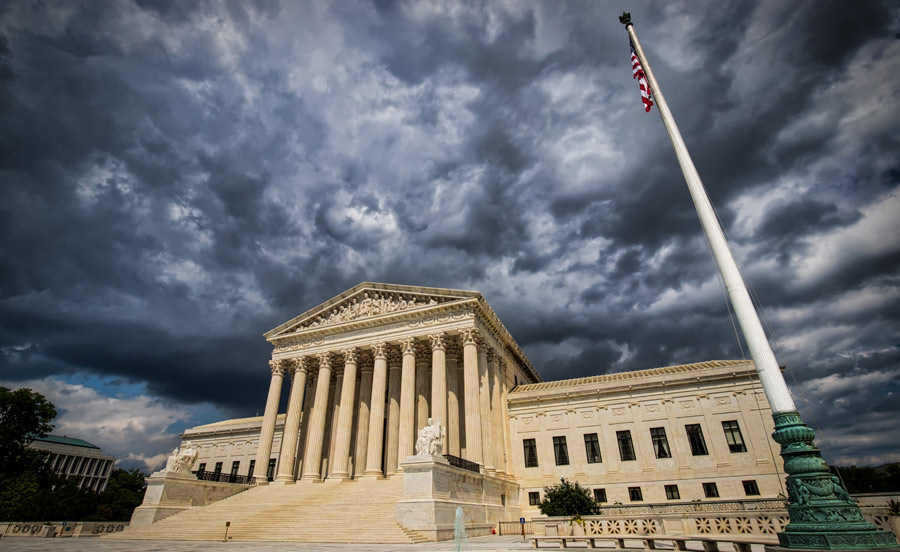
532, 445
592, 448
235, 466
218, 469
600, 495
672, 492
251, 468
734, 437
658, 437
560, 450
696, 440
710, 486
534, 498
622, 437
635, 491
754, 486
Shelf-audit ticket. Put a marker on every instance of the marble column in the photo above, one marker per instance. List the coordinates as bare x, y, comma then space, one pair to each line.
292, 422
406, 439
453, 419
472, 396
487, 437
499, 448
334, 402
362, 420
423, 382
340, 465
308, 396
438, 379
504, 417
393, 415
313, 457
267, 432
376, 415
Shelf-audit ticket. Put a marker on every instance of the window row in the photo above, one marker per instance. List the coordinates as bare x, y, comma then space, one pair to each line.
710, 490
236, 466
626, 447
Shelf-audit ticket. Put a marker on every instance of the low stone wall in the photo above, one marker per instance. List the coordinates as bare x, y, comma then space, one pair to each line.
60, 528
756, 518
433, 490
170, 493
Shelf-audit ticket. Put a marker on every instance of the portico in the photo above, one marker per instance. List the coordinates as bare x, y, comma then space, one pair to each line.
370, 366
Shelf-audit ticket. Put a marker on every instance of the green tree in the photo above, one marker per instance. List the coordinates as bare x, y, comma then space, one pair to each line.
24, 416
124, 493
567, 499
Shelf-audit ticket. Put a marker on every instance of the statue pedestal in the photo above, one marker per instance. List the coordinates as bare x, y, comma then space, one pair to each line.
433, 490
169, 493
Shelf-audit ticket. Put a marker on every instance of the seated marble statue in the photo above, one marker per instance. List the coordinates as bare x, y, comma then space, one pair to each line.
431, 439
181, 460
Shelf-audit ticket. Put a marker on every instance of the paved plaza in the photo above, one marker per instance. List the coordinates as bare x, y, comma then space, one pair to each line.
93, 544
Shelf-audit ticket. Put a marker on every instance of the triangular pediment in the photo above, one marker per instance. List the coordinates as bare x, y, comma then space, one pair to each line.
370, 300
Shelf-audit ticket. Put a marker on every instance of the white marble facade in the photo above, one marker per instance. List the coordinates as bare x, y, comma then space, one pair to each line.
367, 369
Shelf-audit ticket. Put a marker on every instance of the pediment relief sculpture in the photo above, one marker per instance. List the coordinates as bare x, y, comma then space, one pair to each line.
369, 304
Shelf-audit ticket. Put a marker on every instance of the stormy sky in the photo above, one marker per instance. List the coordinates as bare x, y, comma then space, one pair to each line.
177, 178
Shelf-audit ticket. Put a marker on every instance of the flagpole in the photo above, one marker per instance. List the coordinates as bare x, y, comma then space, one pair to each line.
815, 495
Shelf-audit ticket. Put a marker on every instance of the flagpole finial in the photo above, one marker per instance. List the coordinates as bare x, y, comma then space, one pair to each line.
625, 18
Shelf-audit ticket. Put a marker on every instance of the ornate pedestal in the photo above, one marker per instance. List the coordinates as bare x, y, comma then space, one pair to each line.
823, 516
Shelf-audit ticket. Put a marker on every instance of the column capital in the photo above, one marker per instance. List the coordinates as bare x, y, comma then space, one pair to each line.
379, 350
351, 355
408, 345
437, 341
276, 367
324, 360
301, 364
470, 336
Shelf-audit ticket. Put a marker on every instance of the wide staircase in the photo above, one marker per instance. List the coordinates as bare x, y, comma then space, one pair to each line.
346, 512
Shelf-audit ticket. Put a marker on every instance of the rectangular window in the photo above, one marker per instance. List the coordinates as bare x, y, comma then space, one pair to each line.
660, 443
672, 492
592, 447
626, 448
270, 471
534, 498
751, 488
234, 467
600, 495
710, 490
252, 466
530, 453
561, 451
734, 437
218, 469
202, 468
695, 438
634, 493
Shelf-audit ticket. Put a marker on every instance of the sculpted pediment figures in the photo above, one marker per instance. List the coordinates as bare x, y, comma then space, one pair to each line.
368, 303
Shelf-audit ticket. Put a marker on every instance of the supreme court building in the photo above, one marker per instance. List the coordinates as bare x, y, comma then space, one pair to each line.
368, 368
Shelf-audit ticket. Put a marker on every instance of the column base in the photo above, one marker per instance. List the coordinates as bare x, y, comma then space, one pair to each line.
337, 478
823, 516
260, 481
284, 480
311, 478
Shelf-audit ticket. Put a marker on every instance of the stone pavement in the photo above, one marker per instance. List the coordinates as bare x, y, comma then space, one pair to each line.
94, 544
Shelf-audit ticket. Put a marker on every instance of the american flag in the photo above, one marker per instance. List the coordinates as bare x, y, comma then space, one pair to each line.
638, 73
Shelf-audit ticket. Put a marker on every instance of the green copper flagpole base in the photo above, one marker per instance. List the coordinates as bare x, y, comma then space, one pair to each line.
822, 514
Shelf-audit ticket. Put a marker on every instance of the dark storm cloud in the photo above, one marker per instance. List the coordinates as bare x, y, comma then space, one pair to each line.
176, 179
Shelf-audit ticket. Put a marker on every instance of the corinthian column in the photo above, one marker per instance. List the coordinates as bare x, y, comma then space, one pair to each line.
345, 417
393, 416
438, 379
313, 459
473, 410
362, 420
268, 426
423, 382
406, 438
292, 422
496, 409
376, 417
453, 420
485, 402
